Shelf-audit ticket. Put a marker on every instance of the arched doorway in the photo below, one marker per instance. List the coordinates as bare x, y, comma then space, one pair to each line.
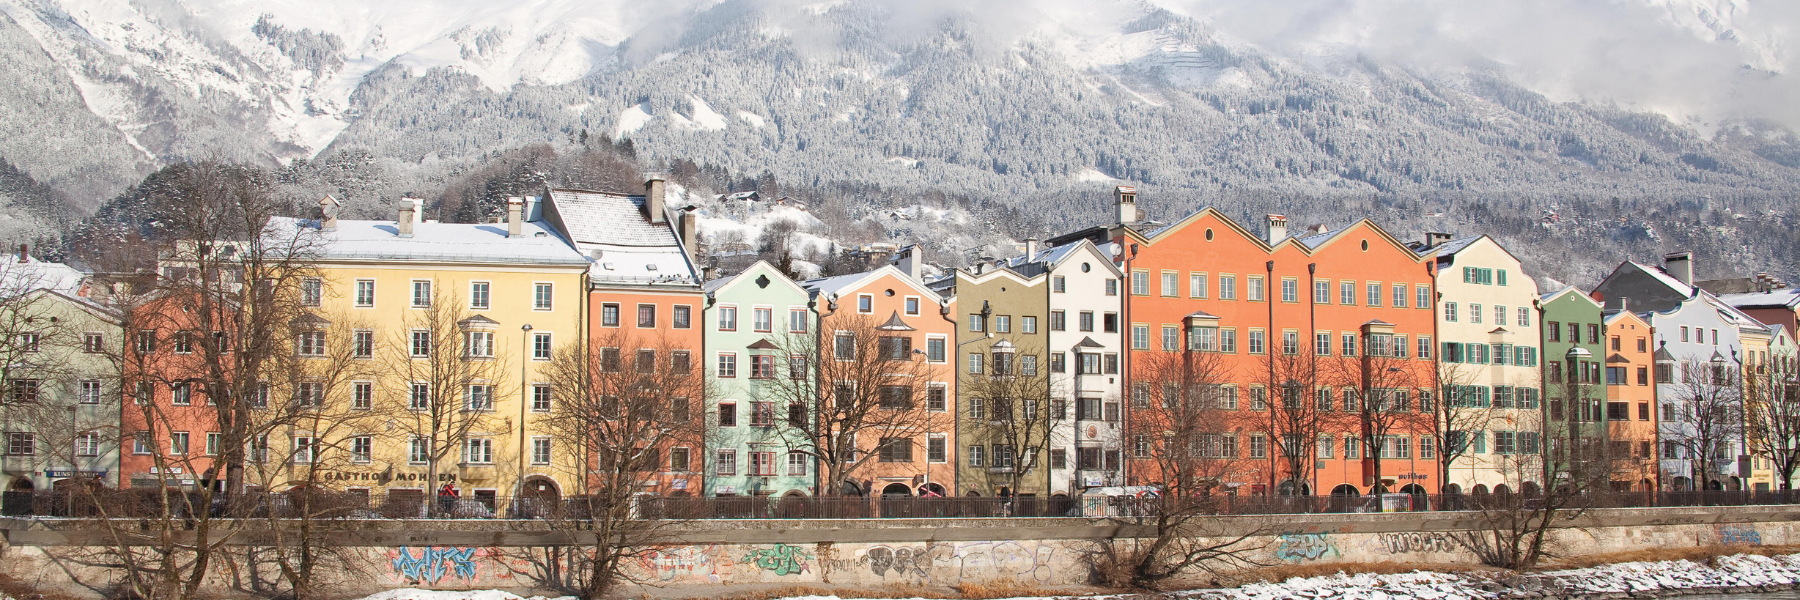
932, 490
1453, 497
1681, 484
1343, 498
538, 497
1480, 489
1531, 489
21, 484
896, 489
1647, 485
1501, 489
1714, 485
793, 505
851, 489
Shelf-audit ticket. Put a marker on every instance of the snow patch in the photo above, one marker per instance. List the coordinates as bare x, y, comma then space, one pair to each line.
822, 7
904, 161
704, 118
633, 119
755, 120
1093, 174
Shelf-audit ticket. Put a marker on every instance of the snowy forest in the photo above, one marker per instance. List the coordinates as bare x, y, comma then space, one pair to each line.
954, 137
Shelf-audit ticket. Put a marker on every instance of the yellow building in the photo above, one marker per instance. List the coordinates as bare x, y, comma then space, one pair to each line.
425, 351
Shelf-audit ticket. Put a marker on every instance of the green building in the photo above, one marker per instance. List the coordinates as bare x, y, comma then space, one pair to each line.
757, 325
1574, 407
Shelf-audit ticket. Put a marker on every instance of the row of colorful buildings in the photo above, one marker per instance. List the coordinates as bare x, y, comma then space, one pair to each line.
1038, 374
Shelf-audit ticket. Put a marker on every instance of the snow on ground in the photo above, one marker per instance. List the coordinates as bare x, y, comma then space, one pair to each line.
1635, 578
633, 119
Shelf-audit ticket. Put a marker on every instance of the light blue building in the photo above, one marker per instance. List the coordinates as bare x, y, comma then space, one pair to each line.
752, 450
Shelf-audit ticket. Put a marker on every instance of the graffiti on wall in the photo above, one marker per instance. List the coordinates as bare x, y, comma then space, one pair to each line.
1739, 535
1003, 560
684, 563
781, 560
432, 564
1300, 547
900, 561
1411, 542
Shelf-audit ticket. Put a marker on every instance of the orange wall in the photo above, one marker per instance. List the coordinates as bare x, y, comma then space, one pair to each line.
161, 416
1622, 334
1231, 252
663, 334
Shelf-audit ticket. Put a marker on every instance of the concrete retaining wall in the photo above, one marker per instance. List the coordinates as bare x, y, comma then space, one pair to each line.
861, 553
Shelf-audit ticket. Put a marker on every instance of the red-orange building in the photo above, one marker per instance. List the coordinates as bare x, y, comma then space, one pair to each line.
169, 426
1316, 322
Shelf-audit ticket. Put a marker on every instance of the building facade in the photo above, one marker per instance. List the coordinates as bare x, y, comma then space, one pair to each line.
1630, 401
1573, 414
759, 326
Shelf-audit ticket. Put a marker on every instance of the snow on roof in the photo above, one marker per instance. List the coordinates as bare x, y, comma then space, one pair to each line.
1454, 246
626, 247
830, 286
1314, 240
1785, 298
485, 243
18, 277
1664, 278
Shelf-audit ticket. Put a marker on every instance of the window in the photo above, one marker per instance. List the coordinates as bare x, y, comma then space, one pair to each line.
1112, 287
1450, 312
1474, 312
21, 443
418, 450
540, 346
479, 451
1140, 283
1290, 342
362, 449
977, 456
1002, 324
681, 317
362, 344
1058, 362
1347, 293
1290, 289
182, 393
977, 323
1399, 295
1028, 365
1594, 334
797, 320
178, 443
421, 294
1086, 320
896, 397
1396, 446
896, 450
609, 315
865, 303
419, 397
1140, 337
762, 464
1058, 284
87, 444
141, 443
1196, 285
728, 318
421, 344
937, 448
184, 342
1058, 320
1259, 446
1348, 341
1499, 314
728, 414
1643, 376
309, 343
762, 320
1524, 316
146, 342
478, 397
1171, 338
90, 392
312, 291
762, 366
478, 344
480, 296
1254, 287
1423, 299
93, 343
762, 414
540, 450
727, 365
1322, 343
1321, 291
543, 295
360, 395
646, 318
1168, 283
1028, 324
1374, 294
936, 398
1228, 340
796, 463
645, 362
1227, 287
364, 296
540, 397
843, 346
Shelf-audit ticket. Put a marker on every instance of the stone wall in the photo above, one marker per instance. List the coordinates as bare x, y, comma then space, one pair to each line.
865, 553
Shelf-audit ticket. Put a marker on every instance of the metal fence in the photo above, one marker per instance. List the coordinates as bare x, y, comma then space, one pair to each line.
141, 503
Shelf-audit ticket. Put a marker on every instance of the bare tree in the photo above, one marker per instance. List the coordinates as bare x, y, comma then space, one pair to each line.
1772, 397
629, 417
1295, 421
1009, 410
1187, 437
1710, 416
447, 366
868, 384
1382, 379
1512, 530
1456, 413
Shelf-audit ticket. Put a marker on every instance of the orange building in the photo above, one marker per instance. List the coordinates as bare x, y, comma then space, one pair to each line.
1630, 400
169, 427
1301, 331
910, 316
643, 291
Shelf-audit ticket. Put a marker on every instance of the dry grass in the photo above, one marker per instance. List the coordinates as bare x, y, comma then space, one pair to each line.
1279, 573
1702, 554
966, 591
14, 589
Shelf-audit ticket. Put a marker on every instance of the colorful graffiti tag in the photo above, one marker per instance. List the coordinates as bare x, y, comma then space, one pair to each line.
1739, 534
780, 560
1296, 547
434, 563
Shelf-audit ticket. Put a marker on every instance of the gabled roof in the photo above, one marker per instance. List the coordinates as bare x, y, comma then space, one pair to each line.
1567, 291
613, 231
759, 268
478, 321
1783, 298
835, 286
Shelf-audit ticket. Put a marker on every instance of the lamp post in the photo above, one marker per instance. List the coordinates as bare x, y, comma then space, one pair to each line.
74, 467
524, 404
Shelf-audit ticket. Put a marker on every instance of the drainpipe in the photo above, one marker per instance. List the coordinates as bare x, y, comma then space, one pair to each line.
955, 422
1268, 340
1312, 316
812, 307
524, 400
1125, 375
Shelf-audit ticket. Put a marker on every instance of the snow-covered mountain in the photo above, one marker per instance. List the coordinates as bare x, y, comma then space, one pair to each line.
1331, 109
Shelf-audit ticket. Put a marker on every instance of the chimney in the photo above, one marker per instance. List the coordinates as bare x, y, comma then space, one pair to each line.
1031, 248
1125, 199
1277, 228
409, 216
24, 253
1624, 304
1434, 238
910, 260
515, 218
653, 200
687, 224
328, 211
534, 209
1680, 265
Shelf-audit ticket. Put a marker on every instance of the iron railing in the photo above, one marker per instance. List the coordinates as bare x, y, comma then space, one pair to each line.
148, 503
